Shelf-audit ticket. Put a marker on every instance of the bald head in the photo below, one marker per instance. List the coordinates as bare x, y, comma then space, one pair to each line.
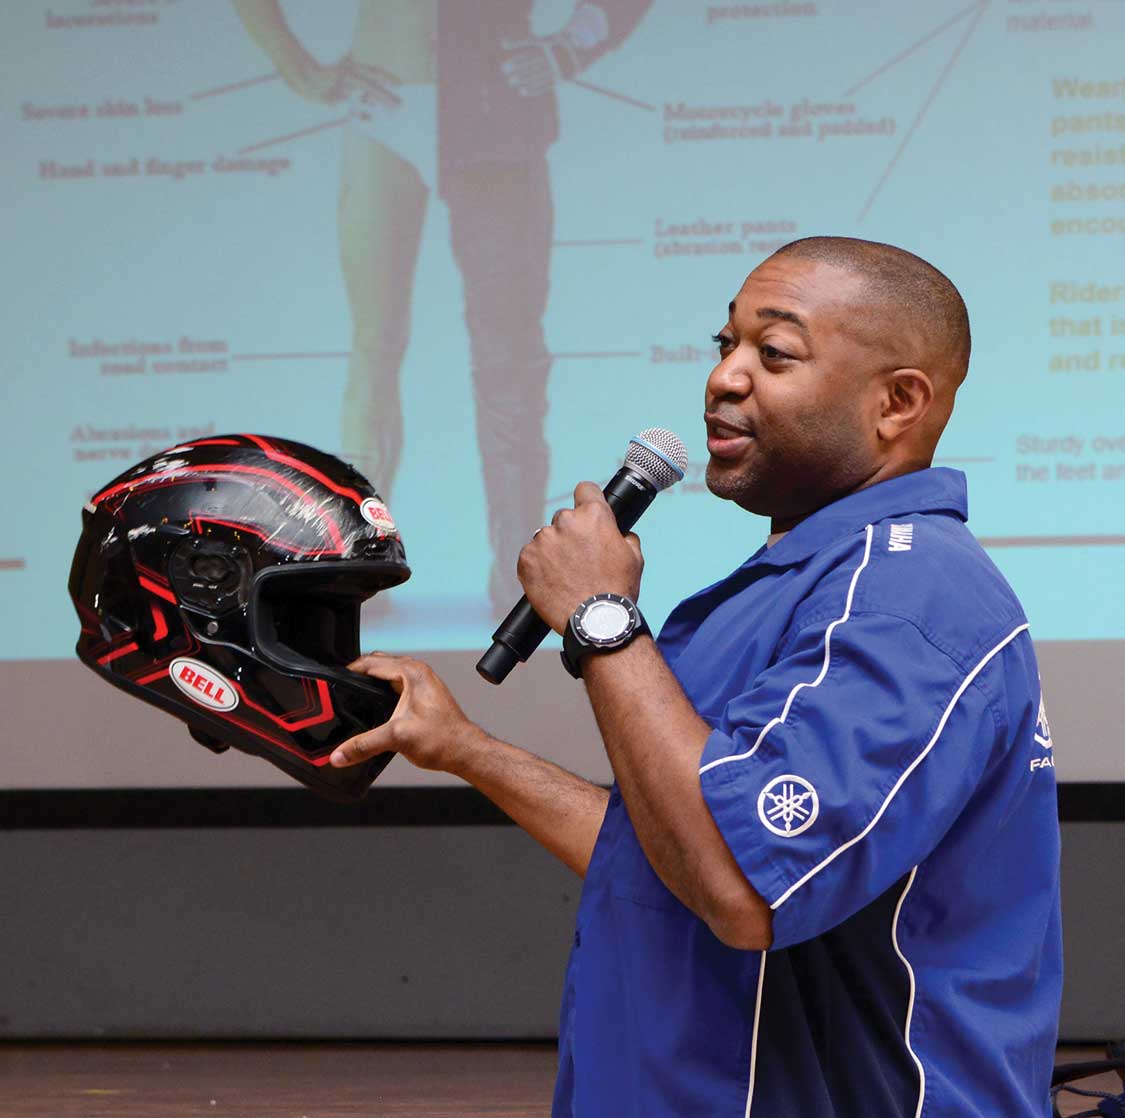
910, 309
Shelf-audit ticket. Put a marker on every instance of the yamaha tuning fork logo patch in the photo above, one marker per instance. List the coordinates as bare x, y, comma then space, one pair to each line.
1043, 738
788, 805
1043, 727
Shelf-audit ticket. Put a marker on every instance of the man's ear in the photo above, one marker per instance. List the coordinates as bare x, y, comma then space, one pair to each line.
907, 396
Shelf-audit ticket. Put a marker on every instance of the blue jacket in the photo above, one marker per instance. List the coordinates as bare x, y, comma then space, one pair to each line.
880, 765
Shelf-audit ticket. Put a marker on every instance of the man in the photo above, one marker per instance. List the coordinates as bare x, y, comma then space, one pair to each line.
825, 881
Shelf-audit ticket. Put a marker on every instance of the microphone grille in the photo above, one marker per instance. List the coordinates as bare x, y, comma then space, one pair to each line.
659, 455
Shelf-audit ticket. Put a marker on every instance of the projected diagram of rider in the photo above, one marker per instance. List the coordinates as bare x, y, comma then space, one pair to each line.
457, 97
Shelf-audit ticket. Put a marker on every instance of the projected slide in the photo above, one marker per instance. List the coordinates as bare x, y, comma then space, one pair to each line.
474, 247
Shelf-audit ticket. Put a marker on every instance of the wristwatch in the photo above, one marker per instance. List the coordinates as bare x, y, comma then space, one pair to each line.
600, 624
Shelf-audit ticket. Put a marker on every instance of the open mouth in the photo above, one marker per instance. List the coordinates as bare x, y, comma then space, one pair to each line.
725, 440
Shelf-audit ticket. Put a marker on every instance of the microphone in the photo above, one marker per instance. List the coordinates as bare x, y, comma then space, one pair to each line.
655, 460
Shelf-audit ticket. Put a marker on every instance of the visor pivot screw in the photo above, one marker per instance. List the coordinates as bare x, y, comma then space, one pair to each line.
212, 628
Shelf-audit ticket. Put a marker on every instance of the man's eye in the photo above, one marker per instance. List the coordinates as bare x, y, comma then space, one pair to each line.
772, 354
722, 341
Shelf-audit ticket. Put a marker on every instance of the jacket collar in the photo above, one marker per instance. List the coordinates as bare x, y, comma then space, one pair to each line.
931, 490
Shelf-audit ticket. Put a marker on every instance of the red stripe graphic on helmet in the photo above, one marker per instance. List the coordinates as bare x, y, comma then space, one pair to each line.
116, 641
258, 732
158, 669
159, 625
312, 702
159, 591
198, 522
176, 477
130, 647
91, 622
302, 467
327, 713
149, 573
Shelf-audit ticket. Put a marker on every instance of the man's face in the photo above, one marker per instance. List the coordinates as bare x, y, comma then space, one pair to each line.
791, 406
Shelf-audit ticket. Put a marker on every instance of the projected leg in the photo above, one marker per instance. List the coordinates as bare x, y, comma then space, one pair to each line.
501, 219
381, 210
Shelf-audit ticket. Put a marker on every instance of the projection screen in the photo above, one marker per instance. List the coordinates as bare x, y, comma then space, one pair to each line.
204, 233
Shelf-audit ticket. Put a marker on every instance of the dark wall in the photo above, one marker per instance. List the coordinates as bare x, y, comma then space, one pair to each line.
361, 931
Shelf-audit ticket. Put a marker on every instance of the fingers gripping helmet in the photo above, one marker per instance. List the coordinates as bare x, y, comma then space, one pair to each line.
222, 581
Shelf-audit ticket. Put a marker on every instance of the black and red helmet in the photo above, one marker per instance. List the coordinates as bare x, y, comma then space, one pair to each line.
222, 581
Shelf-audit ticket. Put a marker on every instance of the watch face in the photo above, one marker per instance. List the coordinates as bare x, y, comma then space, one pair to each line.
605, 620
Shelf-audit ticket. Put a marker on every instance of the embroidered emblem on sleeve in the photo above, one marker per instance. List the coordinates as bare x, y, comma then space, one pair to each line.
1042, 727
788, 805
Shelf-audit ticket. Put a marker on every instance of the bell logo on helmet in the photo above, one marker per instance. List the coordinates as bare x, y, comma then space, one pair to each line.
202, 684
377, 514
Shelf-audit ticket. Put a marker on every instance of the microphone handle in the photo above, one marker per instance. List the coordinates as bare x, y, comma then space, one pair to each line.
520, 633
628, 494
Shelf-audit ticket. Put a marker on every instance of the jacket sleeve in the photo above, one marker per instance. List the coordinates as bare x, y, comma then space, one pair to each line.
845, 762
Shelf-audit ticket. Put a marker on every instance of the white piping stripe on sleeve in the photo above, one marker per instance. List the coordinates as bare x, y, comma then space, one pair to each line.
823, 670
902, 779
754, 1035
913, 991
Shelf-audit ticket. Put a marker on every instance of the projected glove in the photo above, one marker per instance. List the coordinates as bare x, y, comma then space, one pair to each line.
533, 66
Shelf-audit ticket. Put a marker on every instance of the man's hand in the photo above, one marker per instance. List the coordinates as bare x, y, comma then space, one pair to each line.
428, 727
558, 809
582, 552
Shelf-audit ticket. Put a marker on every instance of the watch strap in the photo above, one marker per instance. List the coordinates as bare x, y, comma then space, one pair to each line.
575, 650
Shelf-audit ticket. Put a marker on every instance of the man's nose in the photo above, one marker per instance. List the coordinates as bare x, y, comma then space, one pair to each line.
730, 377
